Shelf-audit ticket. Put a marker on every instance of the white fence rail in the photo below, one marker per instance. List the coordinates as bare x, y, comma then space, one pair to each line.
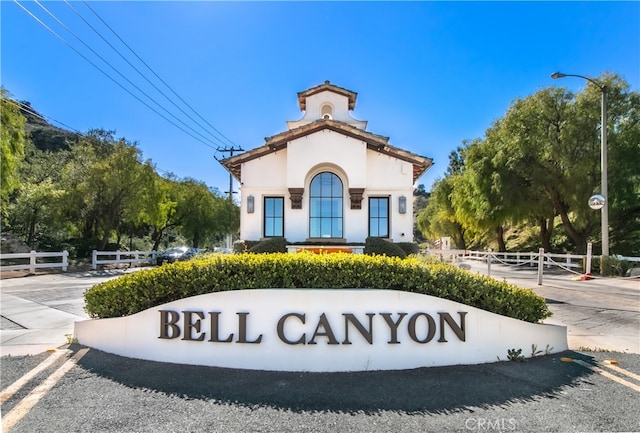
33, 264
571, 261
122, 257
629, 259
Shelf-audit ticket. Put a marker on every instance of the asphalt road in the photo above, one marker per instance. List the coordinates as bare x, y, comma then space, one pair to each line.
107, 393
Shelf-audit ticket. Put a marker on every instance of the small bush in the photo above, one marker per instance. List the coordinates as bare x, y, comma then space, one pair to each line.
381, 247
409, 247
612, 266
139, 291
270, 245
244, 246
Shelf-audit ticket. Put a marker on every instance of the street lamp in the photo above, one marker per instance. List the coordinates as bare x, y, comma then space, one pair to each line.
603, 156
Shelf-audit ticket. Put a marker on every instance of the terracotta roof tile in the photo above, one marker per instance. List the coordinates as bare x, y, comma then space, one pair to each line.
302, 96
374, 142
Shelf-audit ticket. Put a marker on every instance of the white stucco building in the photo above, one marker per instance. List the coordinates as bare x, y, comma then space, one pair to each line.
326, 179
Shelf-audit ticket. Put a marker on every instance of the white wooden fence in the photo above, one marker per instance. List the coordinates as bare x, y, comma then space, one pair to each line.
570, 261
573, 263
33, 261
122, 257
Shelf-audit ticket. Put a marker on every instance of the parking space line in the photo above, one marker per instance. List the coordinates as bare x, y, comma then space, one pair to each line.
622, 371
608, 375
15, 386
11, 418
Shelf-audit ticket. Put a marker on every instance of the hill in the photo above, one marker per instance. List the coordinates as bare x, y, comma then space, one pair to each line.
44, 135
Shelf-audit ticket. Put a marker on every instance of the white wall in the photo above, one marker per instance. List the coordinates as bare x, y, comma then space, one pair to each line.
327, 147
326, 150
339, 103
392, 177
261, 177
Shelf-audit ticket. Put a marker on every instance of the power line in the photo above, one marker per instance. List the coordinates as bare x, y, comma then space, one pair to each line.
218, 148
106, 74
111, 78
139, 72
119, 73
230, 151
31, 111
155, 74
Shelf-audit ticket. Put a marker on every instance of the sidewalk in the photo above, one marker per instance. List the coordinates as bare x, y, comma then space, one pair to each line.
29, 328
600, 314
39, 312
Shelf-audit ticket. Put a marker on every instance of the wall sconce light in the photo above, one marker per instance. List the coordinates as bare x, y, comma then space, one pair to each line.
402, 204
250, 204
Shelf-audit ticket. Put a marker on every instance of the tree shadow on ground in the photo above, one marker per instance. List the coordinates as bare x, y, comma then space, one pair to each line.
430, 390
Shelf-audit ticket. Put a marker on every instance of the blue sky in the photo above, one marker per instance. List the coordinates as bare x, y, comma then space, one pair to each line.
428, 74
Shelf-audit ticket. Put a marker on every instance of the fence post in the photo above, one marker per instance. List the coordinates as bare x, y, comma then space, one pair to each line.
135, 258
489, 263
118, 258
94, 260
65, 260
540, 265
588, 266
32, 263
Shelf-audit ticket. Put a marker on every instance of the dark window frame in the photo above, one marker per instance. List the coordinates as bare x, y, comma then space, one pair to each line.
377, 218
270, 221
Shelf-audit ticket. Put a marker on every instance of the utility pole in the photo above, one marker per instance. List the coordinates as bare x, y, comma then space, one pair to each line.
230, 151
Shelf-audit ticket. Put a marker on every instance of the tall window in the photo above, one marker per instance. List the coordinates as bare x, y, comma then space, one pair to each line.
379, 217
273, 217
325, 207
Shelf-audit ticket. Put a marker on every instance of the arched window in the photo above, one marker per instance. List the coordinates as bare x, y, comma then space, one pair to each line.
325, 206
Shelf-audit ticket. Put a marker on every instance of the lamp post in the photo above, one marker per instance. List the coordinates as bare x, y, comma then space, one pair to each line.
603, 156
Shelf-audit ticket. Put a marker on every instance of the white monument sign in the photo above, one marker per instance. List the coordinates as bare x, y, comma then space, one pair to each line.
317, 330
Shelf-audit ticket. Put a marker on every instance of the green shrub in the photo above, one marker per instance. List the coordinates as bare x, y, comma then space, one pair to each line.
611, 266
409, 247
381, 247
244, 246
139, 291
270, 245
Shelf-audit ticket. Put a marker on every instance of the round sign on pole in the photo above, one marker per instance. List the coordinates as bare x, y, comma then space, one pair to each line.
596, 202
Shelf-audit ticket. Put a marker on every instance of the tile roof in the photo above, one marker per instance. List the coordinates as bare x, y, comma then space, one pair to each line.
374, 142
302, 96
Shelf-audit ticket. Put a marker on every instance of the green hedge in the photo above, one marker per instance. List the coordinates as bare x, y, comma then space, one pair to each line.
409, 247
611, 266
382, 247
244, 246
136, 292
271, 245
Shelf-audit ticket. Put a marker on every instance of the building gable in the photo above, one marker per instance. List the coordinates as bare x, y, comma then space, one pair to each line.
326, 87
